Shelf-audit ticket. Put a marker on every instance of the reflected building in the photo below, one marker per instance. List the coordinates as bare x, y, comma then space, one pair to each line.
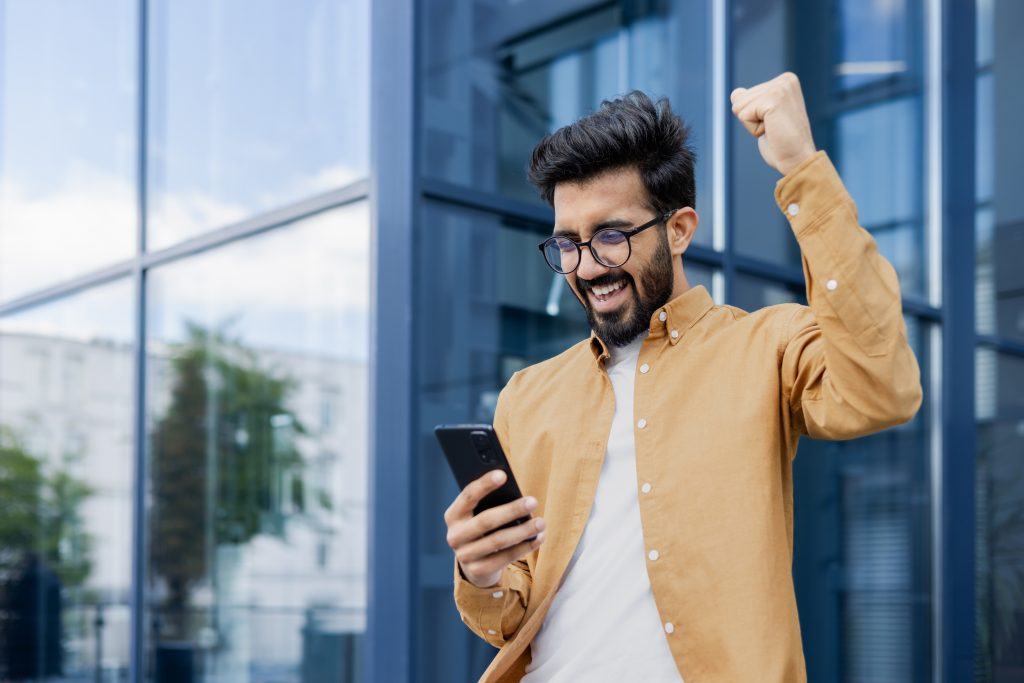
251, 253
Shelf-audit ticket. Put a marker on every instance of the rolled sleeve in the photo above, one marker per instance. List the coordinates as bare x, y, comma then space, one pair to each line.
847, 367
494, 613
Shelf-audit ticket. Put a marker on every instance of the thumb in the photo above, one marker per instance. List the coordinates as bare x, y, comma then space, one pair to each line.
737, 94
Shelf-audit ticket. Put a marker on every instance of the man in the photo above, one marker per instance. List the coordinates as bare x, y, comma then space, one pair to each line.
657, 455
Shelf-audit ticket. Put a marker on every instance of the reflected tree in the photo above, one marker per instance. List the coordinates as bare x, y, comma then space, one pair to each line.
44, 550
225, 464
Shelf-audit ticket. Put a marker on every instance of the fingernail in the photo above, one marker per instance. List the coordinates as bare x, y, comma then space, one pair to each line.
497, 476
539, 525
540, 537
531, 503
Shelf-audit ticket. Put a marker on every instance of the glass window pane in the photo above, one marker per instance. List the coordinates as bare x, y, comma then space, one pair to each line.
66, 482
751, 293
876, 40
497, 79
862, 561
1000, 163
257, 360
999, 498
68, 154
873, 136
254, 105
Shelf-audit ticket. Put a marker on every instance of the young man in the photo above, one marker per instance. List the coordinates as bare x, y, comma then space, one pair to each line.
657, 455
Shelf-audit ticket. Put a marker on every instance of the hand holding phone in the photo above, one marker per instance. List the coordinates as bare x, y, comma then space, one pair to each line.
489, 524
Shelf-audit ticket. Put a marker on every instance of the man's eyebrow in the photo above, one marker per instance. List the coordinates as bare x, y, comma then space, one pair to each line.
608, 223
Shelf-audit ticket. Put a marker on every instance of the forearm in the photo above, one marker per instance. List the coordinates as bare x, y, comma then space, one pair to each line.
852, 369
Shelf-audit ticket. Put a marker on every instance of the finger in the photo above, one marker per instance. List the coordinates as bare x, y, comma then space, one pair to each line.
498, 561
753, 116
741, 97
737, 94
469, 530
499, 541
464, 504
751, 119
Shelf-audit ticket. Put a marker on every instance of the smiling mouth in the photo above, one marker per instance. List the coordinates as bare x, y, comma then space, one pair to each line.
605, 292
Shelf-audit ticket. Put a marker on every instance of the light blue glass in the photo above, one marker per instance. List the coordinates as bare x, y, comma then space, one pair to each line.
68, 153
253, 105
497, 79
66, 487
879, 159
257, 373
876, 41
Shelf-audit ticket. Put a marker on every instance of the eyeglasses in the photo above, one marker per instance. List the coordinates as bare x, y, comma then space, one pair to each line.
610, 247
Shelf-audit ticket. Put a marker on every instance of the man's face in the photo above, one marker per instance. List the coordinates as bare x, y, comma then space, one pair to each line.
619, 301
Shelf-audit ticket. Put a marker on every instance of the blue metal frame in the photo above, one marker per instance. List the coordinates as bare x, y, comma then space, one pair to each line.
393, 555
957, 617
136, 659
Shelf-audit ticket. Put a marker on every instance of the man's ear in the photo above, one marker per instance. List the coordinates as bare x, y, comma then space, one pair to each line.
681, 228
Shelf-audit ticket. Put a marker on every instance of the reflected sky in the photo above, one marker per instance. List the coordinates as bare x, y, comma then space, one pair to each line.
253, 105
302, 288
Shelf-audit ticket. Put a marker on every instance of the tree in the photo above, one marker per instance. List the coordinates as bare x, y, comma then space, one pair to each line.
44, 549
224, 459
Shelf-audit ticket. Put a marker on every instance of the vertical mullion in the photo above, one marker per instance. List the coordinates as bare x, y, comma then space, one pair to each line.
957, 617
933, 162
722, 234
137, 599
393, 559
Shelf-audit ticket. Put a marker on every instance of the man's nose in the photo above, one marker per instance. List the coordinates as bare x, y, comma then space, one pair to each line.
589, 267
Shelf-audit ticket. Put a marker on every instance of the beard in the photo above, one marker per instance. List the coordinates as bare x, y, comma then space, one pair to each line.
620, 327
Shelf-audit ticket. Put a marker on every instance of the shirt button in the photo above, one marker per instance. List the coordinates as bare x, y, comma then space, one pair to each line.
669, 627
642, 423
492, 632
497, 594
675, 334
793, 209
653, 555
831, 285
646, 488
644, 369
663, 316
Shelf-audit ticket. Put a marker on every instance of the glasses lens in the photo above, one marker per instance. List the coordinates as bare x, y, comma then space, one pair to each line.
610, 247
561, 254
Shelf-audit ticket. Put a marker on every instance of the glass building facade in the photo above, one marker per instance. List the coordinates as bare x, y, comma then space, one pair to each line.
252, 252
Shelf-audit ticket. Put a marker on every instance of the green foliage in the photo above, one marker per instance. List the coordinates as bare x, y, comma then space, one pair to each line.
41, 514
224, 452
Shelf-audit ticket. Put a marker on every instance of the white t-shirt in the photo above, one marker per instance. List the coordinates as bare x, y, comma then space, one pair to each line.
603, 624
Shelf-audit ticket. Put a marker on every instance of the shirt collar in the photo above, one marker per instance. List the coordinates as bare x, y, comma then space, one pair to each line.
670, 322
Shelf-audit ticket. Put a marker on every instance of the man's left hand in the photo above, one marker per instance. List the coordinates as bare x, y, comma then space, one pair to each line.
774, 113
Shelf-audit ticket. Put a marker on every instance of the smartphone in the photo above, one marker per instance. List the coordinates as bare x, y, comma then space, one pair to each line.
473, 450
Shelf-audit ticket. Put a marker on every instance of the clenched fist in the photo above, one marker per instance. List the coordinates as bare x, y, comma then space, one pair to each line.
774, 113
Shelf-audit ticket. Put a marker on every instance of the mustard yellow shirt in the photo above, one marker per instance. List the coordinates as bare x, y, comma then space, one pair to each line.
722, 397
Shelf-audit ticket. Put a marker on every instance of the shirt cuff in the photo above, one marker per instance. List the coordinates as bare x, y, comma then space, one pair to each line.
809, 192
484, 609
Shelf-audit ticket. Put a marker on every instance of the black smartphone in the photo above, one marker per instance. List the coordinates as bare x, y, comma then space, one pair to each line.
473, 450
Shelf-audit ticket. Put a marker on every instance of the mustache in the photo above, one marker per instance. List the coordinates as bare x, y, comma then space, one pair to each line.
603, 281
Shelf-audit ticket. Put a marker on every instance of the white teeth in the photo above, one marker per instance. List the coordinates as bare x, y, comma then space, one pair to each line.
605, 291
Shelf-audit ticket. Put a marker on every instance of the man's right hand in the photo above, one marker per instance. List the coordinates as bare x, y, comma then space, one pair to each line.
483, 555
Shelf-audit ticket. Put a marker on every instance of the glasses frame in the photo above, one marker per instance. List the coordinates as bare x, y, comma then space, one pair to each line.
628, 233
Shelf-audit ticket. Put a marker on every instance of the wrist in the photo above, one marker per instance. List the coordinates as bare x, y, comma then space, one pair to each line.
793, 162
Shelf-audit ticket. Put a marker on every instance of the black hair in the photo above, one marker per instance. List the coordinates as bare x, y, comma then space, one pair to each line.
631, 131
